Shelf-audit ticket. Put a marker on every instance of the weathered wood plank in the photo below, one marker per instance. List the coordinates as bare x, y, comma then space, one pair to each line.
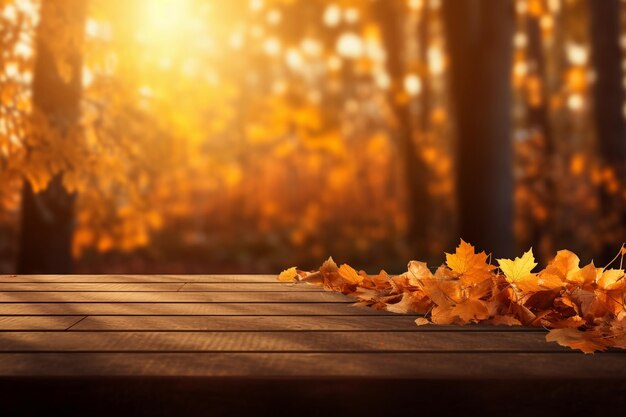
187, 309
424, 366
262, 337
173, 297
275, 341
160, 286
89, 287
139, 278
17, 323
249, 286
248, 323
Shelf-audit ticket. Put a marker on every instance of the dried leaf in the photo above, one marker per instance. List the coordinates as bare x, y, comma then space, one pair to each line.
562, 297
349, 274
505, 320
417, 272
421, 321
611, 279
618, 334
564, 265
290, 274
471, 267
588, 342
584, 276
329, 266
470, 311
518, 269
411, 302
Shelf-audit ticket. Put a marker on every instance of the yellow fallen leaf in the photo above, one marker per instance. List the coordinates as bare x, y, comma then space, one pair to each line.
518, 269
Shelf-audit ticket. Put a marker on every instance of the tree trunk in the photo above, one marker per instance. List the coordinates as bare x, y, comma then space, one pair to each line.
541, 233
608, 89
609, 100
479, 36
48, 216
415, 169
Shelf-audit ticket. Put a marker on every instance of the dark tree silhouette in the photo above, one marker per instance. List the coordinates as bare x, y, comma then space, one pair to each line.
538, 118
609, 96
390, 18
479, 37
48, 216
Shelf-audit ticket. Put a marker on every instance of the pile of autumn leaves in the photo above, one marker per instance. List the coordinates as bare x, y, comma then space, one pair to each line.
583, 308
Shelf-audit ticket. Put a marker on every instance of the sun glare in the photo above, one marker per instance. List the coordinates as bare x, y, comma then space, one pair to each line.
161, 19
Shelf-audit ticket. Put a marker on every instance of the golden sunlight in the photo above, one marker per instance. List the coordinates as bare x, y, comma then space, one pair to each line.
161, 161
165, 15
162, 19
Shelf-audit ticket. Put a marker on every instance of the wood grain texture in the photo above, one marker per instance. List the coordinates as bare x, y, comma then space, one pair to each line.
424, 366
247, 323
154, 286
275, 341
37, 322
188, 309
173, 297
386, 322
67, 328
76, 278
246, 345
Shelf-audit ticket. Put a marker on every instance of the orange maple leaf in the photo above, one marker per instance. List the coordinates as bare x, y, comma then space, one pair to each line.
472, 267
588, 342
562, 297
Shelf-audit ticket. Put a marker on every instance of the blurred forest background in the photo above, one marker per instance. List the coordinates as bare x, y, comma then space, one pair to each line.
195, 136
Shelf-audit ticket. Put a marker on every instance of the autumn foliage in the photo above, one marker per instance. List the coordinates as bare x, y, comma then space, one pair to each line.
583, 307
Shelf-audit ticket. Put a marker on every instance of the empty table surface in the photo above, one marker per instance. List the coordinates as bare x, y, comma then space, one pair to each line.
195, 344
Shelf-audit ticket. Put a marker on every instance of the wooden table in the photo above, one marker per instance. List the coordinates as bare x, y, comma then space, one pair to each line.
229, 345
